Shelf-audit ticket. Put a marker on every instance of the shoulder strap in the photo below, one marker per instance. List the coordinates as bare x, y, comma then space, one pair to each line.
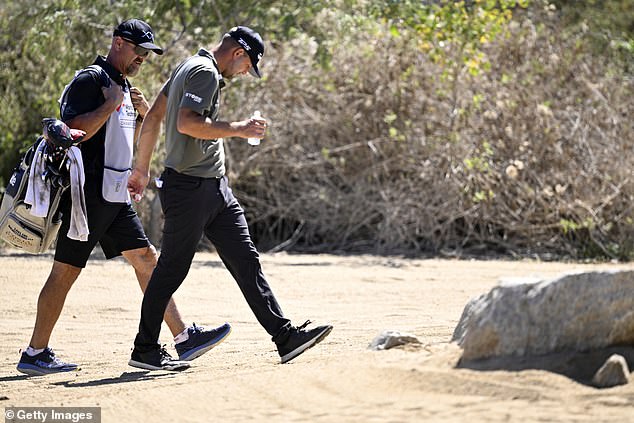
103, 76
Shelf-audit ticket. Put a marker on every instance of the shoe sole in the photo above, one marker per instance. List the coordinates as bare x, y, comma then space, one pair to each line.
297, 351
175, 366
32, 370
193, 354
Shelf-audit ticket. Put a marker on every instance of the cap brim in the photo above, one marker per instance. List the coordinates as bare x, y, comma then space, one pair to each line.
151, 46
255, 71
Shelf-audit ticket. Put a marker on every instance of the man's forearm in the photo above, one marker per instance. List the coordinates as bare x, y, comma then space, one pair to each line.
147, 142
150, 133
91, 122
198, 126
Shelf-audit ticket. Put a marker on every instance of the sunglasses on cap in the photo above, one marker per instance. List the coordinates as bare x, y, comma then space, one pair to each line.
138, 50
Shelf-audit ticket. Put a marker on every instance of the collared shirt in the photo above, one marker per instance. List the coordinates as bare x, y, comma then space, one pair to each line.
195, 84
84, 95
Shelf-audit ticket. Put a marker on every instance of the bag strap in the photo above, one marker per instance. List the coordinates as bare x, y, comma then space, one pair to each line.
103, 76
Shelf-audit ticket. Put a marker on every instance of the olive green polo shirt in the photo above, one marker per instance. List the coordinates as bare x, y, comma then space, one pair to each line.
195, 84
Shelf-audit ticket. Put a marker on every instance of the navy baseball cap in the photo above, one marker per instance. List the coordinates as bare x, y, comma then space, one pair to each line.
252, 43
139, 32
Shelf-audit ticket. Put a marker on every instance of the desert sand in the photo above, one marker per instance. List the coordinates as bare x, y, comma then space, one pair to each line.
339, 380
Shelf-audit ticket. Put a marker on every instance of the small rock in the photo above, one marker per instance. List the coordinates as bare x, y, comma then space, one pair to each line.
613, 372
392, 338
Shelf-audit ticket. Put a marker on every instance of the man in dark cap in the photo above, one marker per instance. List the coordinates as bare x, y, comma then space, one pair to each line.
101, 101
197, 199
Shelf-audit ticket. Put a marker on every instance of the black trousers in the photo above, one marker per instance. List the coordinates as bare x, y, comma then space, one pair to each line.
193, 206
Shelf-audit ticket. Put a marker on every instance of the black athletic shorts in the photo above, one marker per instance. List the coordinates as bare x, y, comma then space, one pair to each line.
116, 227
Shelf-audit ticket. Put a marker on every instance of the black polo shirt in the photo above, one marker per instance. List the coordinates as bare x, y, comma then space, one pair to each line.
83, 96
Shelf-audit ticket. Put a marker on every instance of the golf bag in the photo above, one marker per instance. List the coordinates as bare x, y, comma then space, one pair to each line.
18, 226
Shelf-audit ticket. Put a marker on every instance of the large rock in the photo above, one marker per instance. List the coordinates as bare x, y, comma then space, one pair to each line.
577, 312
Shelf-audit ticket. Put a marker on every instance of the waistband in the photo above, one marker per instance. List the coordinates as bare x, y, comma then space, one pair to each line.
170, 171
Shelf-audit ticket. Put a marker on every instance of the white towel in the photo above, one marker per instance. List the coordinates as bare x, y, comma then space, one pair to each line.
38, 191
78, 218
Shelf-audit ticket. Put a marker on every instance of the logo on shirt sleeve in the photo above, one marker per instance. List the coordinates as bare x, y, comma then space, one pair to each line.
194, 97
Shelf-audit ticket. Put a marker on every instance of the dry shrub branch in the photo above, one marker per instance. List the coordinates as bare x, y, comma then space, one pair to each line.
387, 152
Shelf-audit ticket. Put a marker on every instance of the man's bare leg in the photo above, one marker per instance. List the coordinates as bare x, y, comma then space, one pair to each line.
144, 260
51, 302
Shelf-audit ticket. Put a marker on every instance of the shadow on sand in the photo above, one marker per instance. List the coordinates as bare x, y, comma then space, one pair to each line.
13, 378
579, 366
124, 378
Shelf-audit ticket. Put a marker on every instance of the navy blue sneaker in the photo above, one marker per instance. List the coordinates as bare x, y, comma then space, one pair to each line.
43, 363
200, 341
299, 340
156, 359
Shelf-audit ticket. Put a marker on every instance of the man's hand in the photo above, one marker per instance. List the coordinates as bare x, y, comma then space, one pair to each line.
251, 128
137, 182
139, 102
113, 95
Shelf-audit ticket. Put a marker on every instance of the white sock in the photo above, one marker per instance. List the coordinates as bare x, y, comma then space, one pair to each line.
182, 337
30, 351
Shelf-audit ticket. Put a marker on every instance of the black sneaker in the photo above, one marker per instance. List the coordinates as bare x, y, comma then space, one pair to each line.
43, 363
200, 341
299, 340
156, 359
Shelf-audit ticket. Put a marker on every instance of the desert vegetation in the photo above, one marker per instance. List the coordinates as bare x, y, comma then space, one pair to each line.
396, 127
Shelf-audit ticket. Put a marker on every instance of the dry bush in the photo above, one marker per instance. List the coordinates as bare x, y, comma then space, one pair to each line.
563, 116
383, 153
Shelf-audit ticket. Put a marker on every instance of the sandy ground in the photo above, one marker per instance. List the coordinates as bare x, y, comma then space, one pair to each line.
340, 380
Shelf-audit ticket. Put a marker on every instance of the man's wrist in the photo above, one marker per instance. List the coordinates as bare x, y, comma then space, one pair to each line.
141, 170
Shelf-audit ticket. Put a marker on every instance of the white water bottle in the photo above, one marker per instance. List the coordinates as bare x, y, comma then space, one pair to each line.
255, 141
